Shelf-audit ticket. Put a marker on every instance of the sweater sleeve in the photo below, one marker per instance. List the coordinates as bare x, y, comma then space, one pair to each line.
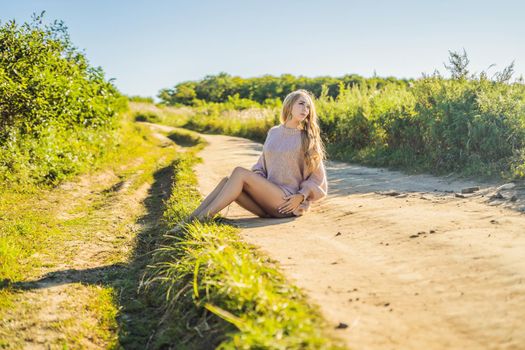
260, 166
315, 186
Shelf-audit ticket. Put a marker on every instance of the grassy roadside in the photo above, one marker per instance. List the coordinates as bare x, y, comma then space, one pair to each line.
31, 219
70, 256
218, 291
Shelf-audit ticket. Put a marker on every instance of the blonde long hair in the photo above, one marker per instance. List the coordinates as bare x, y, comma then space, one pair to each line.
312, 145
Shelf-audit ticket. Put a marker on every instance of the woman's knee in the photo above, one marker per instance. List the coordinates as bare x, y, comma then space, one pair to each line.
241, 173
239, 170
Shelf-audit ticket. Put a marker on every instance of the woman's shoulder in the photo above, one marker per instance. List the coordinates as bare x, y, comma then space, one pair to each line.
275, 127
281, 129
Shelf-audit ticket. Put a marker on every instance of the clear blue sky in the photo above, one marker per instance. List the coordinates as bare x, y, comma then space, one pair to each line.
149, 45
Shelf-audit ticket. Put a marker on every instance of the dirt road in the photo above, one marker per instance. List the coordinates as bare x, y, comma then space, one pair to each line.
422, 270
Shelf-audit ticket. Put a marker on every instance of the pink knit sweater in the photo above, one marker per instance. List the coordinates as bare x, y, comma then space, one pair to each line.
282, 162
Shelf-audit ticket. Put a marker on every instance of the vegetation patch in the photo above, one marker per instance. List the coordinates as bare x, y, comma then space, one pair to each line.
48, 236
218, 291
58, 114
469, 124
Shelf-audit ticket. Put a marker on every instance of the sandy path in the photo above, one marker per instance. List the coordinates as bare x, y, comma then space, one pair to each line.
426, 270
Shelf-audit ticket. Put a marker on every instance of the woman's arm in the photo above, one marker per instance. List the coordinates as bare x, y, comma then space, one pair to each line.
260, 167
315, 186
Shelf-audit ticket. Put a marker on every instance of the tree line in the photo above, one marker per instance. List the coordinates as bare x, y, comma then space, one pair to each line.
217, 88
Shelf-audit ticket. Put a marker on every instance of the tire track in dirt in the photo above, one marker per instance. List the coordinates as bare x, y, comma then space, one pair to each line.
107, 216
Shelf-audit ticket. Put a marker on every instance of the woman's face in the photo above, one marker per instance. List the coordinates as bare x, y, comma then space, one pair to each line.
300, 109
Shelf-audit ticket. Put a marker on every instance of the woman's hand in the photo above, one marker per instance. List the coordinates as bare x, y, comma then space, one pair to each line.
291, 203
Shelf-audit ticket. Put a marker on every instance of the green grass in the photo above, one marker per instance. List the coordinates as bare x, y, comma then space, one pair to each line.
38, 224
149, 112
219, 291
29, 216
95, 320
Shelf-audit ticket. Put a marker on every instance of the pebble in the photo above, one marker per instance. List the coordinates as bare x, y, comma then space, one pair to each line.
341, 325
470, 189
506, 186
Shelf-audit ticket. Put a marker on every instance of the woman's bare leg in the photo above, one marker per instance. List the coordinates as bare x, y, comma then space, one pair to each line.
209, 198
244, 200
263, 192
247, 202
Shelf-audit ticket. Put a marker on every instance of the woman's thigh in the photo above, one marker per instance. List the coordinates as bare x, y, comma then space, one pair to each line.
245, 201
268, 195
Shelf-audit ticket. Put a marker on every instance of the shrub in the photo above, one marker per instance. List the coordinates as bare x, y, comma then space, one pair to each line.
56, 111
